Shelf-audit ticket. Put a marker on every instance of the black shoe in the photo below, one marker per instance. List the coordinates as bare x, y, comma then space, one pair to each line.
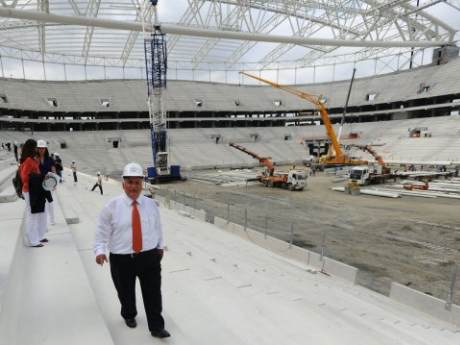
160, 334
131, 323
45, 240
38, 245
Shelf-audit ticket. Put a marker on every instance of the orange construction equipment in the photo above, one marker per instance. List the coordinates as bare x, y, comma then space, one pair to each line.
339, 158
377, 157
265, 161
411, 185
292, 180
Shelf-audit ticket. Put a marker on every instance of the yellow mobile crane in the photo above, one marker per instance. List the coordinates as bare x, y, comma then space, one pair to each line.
339, 158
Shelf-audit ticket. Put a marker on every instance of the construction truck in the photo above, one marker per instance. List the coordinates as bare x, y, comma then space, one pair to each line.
366, 174
293, 180
369, 174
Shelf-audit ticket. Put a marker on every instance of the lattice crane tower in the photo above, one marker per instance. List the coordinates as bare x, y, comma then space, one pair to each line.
156, 70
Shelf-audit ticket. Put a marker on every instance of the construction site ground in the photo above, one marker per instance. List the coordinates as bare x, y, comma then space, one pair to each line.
413, 241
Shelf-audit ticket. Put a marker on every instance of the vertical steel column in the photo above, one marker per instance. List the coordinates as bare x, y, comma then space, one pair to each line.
453, 283
323, 246
1, 63
228, 212
245, 219
266, 227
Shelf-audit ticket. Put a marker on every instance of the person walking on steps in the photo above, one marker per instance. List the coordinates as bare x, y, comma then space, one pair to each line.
98, 183
129, 228
15, 150
46, 166
73, 166
59, 166
34, 196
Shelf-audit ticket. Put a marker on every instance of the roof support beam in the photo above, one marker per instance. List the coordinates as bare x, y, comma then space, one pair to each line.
146, 13
43, 6
91, 11
178, 30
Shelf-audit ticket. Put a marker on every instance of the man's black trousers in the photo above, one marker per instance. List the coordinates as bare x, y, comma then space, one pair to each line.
97, 185
146, 266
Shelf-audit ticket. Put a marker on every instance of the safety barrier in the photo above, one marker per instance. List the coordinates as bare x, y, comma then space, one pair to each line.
426, 303
323, 264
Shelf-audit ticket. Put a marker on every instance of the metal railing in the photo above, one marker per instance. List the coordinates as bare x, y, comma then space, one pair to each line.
382, 255
26, 65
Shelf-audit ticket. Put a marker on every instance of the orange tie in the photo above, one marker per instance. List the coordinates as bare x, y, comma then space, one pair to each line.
137, 229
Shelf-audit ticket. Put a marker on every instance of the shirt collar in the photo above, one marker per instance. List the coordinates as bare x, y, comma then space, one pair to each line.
129, 201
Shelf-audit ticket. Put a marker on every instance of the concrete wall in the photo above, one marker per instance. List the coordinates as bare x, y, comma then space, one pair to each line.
426, 303
416, 299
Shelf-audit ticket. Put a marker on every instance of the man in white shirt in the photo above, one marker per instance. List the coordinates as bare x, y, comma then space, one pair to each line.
129, 228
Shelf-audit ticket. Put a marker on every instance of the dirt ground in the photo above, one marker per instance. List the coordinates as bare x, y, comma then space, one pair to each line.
414, 241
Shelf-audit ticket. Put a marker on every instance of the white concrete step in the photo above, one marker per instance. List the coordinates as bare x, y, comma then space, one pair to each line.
47, 297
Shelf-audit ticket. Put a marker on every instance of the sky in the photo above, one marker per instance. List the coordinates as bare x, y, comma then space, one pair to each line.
171, 12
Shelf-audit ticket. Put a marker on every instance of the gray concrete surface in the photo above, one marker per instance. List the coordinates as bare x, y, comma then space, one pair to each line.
412, 241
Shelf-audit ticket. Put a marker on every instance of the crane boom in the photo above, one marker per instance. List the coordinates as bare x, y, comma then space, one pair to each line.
374, 154
265, 161
319, 102
377, 157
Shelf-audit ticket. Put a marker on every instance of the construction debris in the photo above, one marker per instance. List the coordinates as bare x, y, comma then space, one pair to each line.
449, 189
373, 192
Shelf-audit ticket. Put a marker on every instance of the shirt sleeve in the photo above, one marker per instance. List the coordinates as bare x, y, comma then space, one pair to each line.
159, 229
103, 231
25, 171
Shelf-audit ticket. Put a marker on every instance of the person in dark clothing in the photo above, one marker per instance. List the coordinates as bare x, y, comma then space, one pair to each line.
15, 150
73, 166
59, 167
46, 166
98, 183
35, 222
37, 195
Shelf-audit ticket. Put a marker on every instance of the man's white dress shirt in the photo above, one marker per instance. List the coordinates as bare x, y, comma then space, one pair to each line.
115, 229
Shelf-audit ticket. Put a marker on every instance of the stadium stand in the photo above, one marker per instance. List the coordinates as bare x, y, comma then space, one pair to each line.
196, 148
415, 87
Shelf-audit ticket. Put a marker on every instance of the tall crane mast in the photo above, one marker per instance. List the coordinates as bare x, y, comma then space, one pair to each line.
320, 102
156, 73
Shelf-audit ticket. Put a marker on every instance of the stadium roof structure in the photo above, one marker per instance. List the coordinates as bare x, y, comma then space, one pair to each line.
213, 34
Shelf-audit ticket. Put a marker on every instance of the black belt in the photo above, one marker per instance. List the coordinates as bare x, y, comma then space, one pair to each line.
132, 255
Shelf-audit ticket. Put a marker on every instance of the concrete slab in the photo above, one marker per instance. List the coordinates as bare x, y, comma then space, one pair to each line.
47, 297
8, 195
11, 215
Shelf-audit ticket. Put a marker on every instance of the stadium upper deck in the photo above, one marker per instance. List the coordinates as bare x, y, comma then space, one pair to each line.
120, 104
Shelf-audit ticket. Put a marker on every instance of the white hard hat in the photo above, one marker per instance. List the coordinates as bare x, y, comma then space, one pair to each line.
133, 170
50, 181
41, 144
56, 154
98, 173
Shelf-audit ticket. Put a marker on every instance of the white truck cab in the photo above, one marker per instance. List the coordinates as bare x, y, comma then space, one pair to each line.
162, 163
297, 179
360, 175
